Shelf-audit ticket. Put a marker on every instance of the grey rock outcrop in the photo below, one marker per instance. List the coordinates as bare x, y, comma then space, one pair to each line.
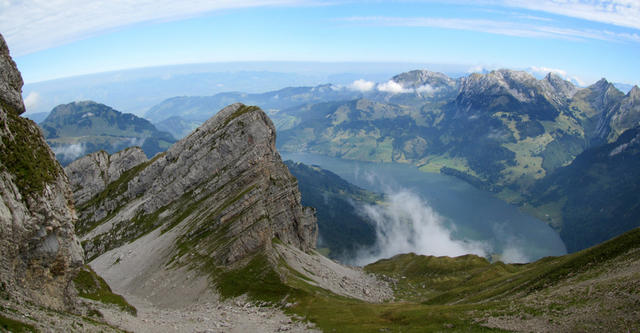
39, 252
420, 78
91, 174
520, 85
557, 86
223, 189
10, 81
623, 116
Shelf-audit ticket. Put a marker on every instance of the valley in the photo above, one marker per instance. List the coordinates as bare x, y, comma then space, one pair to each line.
467, 214
393, 212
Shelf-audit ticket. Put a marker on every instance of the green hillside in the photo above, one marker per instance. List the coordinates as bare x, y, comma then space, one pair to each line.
589, 291
79, 128
596, 196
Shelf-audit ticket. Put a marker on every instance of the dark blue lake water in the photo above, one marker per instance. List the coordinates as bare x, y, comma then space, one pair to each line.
470, 213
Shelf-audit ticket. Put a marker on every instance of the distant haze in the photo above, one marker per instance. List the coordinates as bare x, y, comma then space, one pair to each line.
136, 90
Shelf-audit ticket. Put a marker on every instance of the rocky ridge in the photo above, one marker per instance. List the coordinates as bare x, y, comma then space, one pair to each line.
224, 185
621, 117
420, 79
39, 252
92, 173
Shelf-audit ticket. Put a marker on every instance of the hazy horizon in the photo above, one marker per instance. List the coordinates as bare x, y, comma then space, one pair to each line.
580, 40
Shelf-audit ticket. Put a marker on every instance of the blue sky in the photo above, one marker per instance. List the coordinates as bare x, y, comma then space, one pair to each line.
580, 39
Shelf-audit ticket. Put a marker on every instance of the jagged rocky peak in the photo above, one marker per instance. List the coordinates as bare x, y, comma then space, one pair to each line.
39, 252
420, 78
601, 85
519, 84
604, 94
626, 115
223, 192
559, 86
91, 174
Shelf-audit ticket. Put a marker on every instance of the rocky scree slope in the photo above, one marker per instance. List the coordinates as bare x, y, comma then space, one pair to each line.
221, 194
39, 252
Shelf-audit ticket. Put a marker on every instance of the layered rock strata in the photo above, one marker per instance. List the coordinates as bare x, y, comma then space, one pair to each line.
223, 191
39, 252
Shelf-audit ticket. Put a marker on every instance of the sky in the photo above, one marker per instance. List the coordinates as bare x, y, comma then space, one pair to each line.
582, 40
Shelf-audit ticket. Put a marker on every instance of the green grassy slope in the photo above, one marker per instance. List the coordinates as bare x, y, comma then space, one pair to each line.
596, 196
592, 290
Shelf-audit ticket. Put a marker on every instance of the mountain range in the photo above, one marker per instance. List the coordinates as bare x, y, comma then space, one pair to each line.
212, 235
504, 131
178, 248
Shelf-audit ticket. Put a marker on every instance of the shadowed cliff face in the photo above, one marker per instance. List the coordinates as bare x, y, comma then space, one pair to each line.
223, 192
39, 252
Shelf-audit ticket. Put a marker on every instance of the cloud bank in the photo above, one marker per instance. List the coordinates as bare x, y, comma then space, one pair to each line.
390, 87
69, 152
362, 85
408, 224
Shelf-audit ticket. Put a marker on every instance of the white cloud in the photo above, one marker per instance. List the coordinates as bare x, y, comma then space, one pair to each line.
476, 69
69, 151
540, 71
362, 85
408, 224
392, 87
514, 255
32, 100
426, 89
499, 27
30, 26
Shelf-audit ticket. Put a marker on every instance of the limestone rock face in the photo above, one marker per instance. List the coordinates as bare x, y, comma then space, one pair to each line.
223, 190
10, 81
91, 174
622, 111
39, 252
420, 78
558, 86
626, 115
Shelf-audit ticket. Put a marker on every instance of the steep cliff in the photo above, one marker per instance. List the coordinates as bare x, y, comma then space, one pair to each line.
39, 252
223, 192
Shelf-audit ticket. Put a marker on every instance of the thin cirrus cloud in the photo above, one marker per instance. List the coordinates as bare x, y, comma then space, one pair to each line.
30, 26
507, 28
623, 13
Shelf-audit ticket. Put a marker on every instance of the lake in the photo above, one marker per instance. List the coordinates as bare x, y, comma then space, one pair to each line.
471, 214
